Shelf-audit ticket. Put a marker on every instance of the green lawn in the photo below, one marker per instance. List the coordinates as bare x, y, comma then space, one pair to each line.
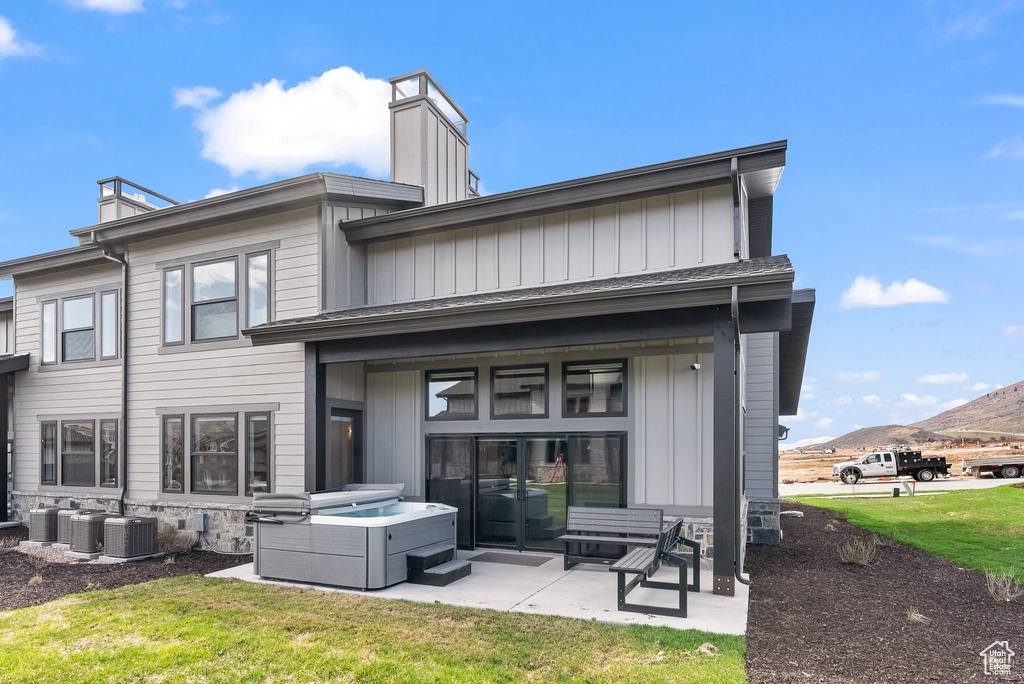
201, 629
981, 529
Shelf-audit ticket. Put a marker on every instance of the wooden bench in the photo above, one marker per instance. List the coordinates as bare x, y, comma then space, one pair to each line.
644, 562
623, 527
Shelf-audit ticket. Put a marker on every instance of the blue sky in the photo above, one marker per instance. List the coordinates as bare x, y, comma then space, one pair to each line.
904, 187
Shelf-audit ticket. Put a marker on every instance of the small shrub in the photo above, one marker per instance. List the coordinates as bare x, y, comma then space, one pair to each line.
91, 586
859, 552
829, 527
35, 581
915, 616
1002, 585
169, 560
9, 544
171, 540
36, 561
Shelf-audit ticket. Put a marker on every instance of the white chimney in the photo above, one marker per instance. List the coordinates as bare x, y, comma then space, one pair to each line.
429, 146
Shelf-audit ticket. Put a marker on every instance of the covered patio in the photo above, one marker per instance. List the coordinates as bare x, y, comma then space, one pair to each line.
586, 592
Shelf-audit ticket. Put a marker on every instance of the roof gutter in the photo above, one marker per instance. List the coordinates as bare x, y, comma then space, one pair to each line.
109, 253
739, 539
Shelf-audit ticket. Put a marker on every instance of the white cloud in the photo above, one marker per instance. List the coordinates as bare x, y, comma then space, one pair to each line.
1011, 147
337, 118
866, 376
809, 392
981, 387
112, 6
910, 399
217, 192
943, 378
872, 399
11, 45
197, 97
823, 423
1006, 100
868, 292
952, 403
1017, 215
842, 401
1013, 331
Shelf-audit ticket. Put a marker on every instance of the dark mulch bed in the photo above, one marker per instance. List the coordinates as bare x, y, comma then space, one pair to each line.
60, 579
814, 619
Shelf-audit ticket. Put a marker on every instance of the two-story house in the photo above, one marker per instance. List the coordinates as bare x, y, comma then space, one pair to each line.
626, 339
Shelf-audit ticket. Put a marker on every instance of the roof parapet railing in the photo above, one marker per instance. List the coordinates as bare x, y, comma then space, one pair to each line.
474, 184
422, 83
115, 187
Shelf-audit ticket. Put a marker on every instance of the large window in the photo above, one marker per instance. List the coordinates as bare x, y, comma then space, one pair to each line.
78, 331
214, 300
595, 388
257, 302
78, 453
48, 450
172, 447
214, 454
108, 453
519, 392
257, 452
173, 315
451, 395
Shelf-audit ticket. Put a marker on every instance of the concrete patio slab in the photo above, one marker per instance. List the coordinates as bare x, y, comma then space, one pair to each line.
586, 592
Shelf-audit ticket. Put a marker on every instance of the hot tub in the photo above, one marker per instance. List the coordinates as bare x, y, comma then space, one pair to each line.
357, 537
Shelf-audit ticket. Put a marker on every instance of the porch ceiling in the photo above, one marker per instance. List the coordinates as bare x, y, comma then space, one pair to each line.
793, 352
762, 279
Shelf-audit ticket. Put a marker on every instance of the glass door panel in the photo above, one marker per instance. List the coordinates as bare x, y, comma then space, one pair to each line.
450, 480
344, 464
546, 490
497, 500
596, 469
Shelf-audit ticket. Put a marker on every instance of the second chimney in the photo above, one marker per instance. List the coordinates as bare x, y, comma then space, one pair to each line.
429, 146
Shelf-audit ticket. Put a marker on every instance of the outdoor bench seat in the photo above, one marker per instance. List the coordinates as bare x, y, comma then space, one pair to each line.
622, 527
643, 563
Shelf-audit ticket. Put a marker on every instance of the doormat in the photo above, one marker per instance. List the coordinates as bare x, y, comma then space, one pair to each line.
510, 559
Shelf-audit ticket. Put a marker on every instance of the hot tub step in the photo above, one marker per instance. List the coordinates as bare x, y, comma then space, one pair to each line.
441, 575
430, 556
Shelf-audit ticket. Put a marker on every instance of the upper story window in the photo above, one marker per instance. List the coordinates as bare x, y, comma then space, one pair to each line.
451, 395
211, 300
519, 392
595, 388
79, 328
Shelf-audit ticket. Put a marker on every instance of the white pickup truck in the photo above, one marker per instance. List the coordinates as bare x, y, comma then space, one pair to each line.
891, 464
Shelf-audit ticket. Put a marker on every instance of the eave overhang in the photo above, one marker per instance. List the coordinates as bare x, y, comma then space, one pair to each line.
6, 304
48, 262
10, 363
769, 278
793, 352
308, 190
760, 166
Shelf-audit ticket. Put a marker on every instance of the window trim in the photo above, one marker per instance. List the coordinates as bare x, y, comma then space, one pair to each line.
95, 449
610, 414
64, 331
56, 458
163, 440
117, 325
270, 299
270, 451
519, 416
191, 454
192, 304
476, 394
42, 332
163, 307
99, 452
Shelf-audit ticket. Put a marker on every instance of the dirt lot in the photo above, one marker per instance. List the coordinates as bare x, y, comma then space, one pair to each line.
808, 467
815, 619
61, 577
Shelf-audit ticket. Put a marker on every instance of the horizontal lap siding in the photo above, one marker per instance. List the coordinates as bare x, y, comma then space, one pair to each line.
762, 418
66, 391
669, 231
233, 377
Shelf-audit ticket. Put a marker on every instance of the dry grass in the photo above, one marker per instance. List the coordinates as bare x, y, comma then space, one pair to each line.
859, 552
914, 615
171, 540
1002, 585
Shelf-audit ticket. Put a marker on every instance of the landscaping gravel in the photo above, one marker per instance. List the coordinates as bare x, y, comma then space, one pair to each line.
815, 619
60, 576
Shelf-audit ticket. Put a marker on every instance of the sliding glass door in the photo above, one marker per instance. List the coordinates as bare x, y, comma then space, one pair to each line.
514, 491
